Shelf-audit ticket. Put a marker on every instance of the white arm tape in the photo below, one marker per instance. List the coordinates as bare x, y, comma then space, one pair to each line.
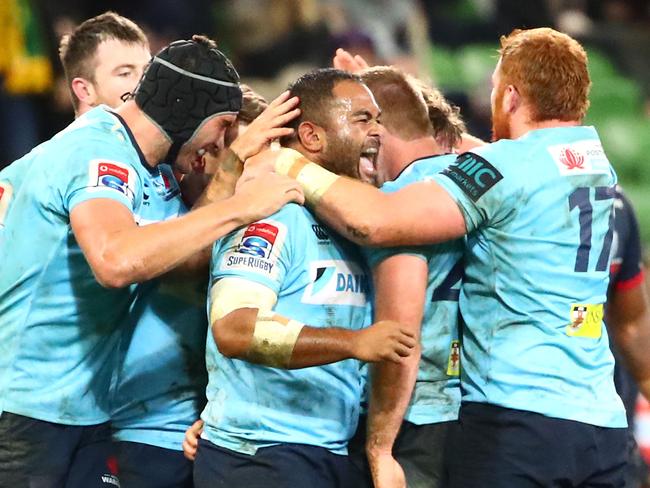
274, 336
314, 179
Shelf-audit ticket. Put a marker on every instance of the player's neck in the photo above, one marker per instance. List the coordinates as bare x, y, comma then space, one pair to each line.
408, 151
522, 124
153, 144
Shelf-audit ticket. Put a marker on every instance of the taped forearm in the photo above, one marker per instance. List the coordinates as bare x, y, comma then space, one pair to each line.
314, 179
273, 337
246, 327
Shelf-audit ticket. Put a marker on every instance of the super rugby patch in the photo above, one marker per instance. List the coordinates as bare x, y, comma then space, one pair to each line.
473, 174
114, 175
580, 158
257, 249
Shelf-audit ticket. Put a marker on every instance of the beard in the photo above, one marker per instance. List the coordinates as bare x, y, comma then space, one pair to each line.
500, 120
341, 156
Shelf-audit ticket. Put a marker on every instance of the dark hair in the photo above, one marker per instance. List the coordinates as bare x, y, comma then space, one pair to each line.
314, 90
77, 50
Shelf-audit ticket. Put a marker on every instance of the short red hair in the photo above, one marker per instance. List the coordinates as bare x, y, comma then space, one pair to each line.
549, 69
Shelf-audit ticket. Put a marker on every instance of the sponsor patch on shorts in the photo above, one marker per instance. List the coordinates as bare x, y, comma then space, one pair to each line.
473, 174
586, 320
114, 175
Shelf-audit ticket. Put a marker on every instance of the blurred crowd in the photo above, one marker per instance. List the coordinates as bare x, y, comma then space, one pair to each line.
272, 41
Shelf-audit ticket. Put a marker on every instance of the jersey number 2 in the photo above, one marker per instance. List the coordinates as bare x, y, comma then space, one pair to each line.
580, 198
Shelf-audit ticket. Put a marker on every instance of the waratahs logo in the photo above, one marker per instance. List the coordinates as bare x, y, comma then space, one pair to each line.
336, 282
165, 184
579, 158
572, 159
258, 240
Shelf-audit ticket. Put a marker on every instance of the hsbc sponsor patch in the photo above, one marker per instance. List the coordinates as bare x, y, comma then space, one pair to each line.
473, 174
579, 158
114, 175
257, 249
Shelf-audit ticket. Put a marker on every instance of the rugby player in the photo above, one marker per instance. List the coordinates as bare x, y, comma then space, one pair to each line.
102, 59
160, 379
627, 316
288, 303
61, 292
539, 406
414, 403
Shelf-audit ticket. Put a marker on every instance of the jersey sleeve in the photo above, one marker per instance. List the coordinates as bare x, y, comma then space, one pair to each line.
101, 171
630, 273
478, 187
260, 252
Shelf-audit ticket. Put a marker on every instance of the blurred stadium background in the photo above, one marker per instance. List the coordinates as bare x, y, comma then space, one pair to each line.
451, 43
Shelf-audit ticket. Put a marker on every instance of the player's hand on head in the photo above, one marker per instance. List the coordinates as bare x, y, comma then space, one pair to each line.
191, 441
268, 126
265, 195
259, 165
344, 61
279, 159
385, 340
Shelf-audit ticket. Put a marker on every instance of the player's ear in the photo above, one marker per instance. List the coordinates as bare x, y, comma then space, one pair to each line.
511, 99
84, 90
311, 136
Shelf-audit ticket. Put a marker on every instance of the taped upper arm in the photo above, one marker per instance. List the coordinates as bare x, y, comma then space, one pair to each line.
232, 293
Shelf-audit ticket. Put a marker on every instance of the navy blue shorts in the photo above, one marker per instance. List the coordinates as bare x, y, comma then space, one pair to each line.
504, 448
145, 466
281, 466
39, 454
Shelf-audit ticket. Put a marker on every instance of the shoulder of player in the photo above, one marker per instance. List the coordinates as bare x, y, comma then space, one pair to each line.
498, 153
289, 220
292, 214
419, 170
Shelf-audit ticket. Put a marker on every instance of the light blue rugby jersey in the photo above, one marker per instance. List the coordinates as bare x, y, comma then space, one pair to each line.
11, 177
436, 397
58, 331
320, 281
538, 211
161, 377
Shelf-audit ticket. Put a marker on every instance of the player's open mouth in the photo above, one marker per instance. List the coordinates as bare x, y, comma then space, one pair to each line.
368, 160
